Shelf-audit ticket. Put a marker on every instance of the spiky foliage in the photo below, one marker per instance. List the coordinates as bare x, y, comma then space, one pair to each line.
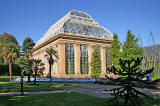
26, 65
51, 53
38, 67
115, 51
131, 72
95, 64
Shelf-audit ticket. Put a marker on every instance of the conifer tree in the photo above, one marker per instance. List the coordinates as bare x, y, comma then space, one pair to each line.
95, 64
131, 72
131, 49
115, 51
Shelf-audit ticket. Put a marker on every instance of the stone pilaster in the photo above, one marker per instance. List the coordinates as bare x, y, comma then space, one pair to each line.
61, 58
103, 60
77, 58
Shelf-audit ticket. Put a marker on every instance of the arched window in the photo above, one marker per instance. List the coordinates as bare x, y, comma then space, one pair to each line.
69, 59
84, 64
108, 59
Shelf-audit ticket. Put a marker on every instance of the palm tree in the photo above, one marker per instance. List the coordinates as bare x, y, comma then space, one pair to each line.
28, 44
51, 53
9, 49
26, 65
38, 68
9, 52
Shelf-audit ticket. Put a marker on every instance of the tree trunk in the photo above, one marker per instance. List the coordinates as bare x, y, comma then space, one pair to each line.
10, 70
35, 78
29, 78
50, 66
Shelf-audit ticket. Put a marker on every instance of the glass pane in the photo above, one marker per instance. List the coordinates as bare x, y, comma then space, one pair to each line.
108, 60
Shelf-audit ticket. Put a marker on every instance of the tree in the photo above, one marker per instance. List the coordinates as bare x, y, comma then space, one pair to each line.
28, 44
131, 49
95, 64
37, 68
9, 54
51, 53
131, 73
6, 38
9, 49
115, 51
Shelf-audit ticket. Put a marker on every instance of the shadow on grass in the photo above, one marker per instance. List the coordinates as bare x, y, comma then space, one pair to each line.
29, 87
63, 99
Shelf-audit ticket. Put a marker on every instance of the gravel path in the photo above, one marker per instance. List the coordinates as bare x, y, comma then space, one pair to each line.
99, 90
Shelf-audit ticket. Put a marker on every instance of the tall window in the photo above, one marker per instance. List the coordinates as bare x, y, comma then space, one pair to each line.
108, 59
69, 59
84, 59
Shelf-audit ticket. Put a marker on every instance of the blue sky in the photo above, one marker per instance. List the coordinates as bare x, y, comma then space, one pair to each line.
32, 18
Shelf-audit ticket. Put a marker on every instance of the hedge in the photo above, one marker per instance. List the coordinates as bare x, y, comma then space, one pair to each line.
4, 70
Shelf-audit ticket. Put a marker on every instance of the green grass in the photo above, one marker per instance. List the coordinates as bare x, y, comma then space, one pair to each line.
6, 86
155, 78
6, 78
62, 99
29, 87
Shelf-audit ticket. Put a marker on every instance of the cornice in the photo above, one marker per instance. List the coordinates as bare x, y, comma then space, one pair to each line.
74, 37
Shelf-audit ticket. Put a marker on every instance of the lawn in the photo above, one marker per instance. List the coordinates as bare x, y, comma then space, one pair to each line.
56, 99
61, 99
6, 86
6, 78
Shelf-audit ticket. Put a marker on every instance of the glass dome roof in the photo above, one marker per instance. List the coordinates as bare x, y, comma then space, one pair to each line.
78, 23
80, 14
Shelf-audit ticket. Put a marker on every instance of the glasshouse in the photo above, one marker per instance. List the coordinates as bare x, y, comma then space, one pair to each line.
152, 59
74, 37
